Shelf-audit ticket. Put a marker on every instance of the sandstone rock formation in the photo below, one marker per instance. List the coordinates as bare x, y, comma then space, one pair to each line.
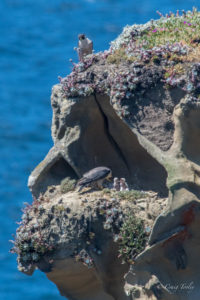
135, 109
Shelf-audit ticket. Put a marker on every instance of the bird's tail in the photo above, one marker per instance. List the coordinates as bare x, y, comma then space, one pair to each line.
80, 188
80, 184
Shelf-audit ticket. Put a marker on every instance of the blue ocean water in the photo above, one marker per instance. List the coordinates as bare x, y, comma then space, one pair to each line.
36, 42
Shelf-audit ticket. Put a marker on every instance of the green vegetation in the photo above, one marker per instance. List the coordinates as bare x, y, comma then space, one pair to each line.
177, 69
67, 185
119, 56
130, 195
107, 191
133, 238
39, 247
174, 29
59, 208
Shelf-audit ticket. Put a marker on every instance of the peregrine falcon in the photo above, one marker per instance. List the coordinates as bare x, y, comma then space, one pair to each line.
96, 175
85, 46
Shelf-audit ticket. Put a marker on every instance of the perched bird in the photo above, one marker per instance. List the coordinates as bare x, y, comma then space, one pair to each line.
96, 175
116, 184
123, 185
85, 46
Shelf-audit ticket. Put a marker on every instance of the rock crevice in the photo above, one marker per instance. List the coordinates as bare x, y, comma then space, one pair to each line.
95, 135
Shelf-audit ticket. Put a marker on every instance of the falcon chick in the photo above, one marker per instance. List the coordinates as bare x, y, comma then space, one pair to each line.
96, 175
85, 46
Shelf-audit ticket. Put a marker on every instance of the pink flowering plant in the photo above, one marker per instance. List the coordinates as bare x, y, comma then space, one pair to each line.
172, 28
141, 57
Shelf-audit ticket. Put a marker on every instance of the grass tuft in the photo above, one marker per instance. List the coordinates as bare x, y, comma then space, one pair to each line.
131, 195
67, 185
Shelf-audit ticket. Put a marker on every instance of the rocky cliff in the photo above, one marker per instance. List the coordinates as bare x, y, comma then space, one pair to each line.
134, 108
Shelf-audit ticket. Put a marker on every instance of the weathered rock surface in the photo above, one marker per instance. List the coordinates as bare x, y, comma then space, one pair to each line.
87, 132
136, 110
